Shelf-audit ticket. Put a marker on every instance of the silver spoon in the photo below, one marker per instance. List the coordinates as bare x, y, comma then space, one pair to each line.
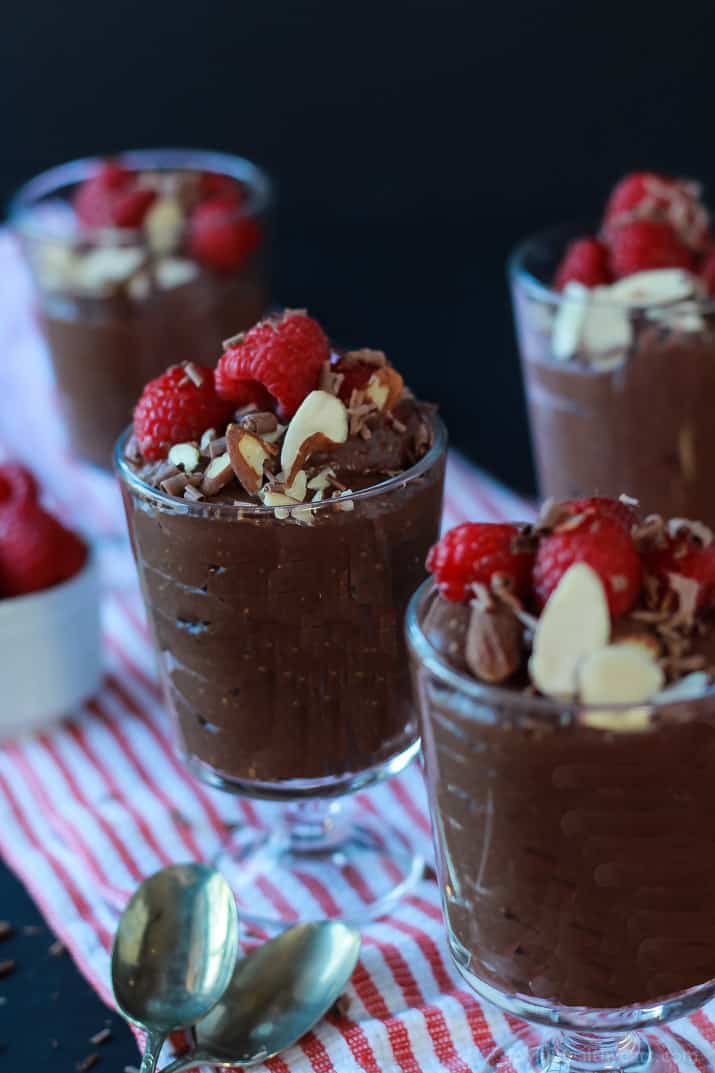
277, 994
174, 952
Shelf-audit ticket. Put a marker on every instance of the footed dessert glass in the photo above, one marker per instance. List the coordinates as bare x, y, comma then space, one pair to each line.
113, 303
575, 861
279, 638
619, 393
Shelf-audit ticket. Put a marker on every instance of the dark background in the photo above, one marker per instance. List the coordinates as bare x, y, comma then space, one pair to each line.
412, 144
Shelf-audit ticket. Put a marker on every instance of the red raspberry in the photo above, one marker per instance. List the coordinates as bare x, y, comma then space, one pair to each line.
707, 272
644, 190
277, 363
215, 184
113, 198
221, 236
475, 552
173, 409
36, 551
18, 487
602, 507
645, 194
586, 262
685, 556
646, 244
602, 543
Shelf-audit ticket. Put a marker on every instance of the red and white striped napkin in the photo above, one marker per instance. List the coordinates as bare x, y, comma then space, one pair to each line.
92, 806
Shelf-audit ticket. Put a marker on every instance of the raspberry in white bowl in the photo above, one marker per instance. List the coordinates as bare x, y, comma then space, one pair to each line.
49, 610
616, 329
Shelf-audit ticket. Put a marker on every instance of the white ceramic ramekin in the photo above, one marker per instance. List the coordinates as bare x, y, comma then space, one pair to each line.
50, 655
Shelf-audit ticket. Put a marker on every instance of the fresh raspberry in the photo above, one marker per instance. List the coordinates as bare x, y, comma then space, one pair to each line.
18, 487
707, 272
647, 195
602, 507
641, 190
215, 184
174, 409
647, 244
355, 376
685, 556
36, 551
113, 198
586, 262
602, 543
277, 362
475, 552
221, 236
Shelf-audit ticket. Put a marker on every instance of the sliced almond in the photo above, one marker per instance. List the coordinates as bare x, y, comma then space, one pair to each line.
320, 422
164, 224
298, 487
248, 453
342, 503
384, 388
185, 456
174, 272
271, 498
619, 675
280, 502
569, 321
574, 623
207, 437
321, 479
653, 286
102, 268
219, 473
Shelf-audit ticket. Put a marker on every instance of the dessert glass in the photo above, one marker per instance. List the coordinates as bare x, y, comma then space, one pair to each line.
110, 330
575, 863
282, 657
637, 414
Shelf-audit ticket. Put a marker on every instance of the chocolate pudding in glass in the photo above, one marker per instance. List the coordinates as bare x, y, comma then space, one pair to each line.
153, 252
277, 555
570, 755
616, 335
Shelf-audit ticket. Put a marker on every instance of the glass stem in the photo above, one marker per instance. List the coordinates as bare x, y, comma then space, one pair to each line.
593, 1052
316, 825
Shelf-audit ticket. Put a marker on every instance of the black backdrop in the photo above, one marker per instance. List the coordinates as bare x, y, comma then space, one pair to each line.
412, 144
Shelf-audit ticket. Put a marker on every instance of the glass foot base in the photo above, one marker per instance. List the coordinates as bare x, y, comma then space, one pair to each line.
541, 1051
318, 867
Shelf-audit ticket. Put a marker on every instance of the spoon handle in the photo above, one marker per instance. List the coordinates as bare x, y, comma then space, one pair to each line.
152, 1050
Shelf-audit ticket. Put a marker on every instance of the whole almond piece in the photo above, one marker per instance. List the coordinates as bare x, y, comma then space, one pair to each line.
319, 423
574, 623
493, 643
248, 453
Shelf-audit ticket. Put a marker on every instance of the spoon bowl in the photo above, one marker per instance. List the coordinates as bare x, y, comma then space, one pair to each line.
174, 952
277, 993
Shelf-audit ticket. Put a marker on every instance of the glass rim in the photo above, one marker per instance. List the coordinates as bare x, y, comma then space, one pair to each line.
536, 288
30, 193
204, 507
499, 696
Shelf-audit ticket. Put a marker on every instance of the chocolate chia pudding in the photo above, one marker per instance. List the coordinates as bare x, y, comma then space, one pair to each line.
617, 342
277, 550
570, 755
159, 252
